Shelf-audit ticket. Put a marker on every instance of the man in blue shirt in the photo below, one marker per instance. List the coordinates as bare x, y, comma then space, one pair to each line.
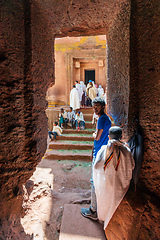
100, 138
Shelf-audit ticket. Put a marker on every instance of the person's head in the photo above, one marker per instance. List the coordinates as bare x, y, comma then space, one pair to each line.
76, 82
78, 113
74, 86
98, 105
70, 109
55, 123
90, 82
115, 132
62, 110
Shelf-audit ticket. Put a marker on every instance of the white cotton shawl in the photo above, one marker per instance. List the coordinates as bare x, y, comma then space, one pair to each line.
111, 185
74, 99
91, 91
80, 91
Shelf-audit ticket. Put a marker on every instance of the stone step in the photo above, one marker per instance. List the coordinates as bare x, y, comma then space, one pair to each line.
70, 145
75, 138
88, 124
68, 155
87, 110
86, 131
88, 117
76, 227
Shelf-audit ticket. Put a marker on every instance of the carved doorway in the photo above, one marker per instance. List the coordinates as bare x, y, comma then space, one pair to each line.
89, 75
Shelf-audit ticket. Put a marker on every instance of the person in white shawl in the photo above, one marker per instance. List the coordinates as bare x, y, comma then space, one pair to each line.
74, 99
100, 91
80, 90
112, 172
91, 90
83, 101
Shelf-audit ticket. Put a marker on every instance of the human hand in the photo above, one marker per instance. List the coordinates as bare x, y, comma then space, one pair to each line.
91, 158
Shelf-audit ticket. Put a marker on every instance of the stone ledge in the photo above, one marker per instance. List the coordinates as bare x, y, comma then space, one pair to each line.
75, 227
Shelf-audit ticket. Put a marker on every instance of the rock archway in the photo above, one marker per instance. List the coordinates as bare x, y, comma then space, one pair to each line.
27, 70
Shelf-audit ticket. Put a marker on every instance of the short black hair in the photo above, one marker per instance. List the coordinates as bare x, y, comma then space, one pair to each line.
76, 81
115, 132
74, 86
99, 100
56, 123
71, 108
62, 109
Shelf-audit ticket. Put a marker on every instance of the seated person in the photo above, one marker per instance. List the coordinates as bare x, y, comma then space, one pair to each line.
80, 123
63, 118
57, 131
71, 117
112, 172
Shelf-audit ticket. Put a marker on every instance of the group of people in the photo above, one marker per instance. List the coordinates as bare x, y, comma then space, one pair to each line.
70, 118
82, 95
112, 162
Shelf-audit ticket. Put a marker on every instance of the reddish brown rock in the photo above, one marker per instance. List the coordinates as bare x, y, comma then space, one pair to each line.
28, 29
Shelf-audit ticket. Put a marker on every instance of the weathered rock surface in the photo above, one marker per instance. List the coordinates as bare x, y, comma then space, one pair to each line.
28, 29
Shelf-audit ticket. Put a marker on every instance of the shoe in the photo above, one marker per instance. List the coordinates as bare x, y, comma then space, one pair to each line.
89, 213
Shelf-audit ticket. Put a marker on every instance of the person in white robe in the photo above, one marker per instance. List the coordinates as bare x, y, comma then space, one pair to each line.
91, 90
112, 172
80, 90
74, 99
100, 91
83, 101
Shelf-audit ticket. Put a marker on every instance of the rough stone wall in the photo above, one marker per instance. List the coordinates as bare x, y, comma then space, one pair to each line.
133, 88
26, 63
13, 132
79, 17
24, 80
118, 69
145, 86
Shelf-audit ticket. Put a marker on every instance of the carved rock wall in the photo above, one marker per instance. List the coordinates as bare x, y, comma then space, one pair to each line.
118, 69
25, 77
27, 70
145, 86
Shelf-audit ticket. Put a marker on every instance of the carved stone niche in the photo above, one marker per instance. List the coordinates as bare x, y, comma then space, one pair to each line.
77, 64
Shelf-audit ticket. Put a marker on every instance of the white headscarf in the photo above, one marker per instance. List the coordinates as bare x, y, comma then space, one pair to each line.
83, 86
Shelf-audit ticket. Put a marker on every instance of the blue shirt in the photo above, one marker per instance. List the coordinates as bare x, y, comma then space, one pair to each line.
104, 123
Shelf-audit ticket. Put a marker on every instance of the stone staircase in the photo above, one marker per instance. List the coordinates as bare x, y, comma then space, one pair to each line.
73, 144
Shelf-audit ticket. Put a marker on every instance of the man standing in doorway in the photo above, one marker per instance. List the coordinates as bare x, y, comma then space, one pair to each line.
100, 138
91, 91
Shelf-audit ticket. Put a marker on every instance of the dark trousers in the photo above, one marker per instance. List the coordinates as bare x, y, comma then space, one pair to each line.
63, 120
72, 122
81, 124
50, 133
89, 102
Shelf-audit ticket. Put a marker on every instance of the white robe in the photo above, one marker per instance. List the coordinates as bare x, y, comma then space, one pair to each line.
83, 86
100, 92
91, 91
80, 91
111, 185
74, 99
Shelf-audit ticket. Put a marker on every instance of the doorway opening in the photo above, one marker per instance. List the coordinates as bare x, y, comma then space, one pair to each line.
89, 75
